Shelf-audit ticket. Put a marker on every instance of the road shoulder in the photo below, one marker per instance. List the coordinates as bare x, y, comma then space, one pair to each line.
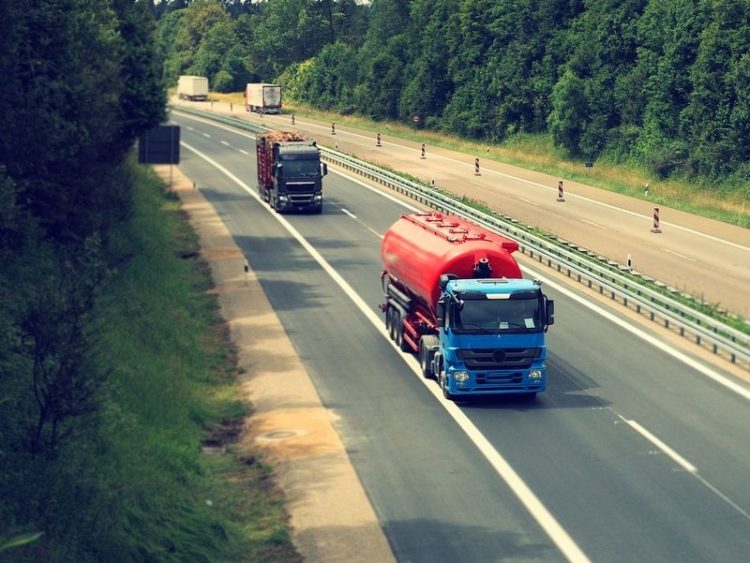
330, 515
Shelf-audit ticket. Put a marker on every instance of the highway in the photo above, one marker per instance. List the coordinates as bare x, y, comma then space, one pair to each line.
631, 454
608, 223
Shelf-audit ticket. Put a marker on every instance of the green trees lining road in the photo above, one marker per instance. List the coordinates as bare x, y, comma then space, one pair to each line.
112, 365
659, 83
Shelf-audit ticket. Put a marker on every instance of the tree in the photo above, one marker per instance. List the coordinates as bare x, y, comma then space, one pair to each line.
567, 121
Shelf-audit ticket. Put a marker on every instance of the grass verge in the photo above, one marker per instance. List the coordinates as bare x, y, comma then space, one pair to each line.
135, 483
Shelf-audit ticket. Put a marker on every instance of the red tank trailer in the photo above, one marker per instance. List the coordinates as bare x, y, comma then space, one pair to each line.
419, 248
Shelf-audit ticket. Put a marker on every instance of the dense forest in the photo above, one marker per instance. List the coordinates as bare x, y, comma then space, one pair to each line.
660, 83
80, 83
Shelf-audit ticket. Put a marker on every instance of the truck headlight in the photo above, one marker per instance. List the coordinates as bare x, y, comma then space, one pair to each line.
461, 377
283, 198
535, 374
318, 197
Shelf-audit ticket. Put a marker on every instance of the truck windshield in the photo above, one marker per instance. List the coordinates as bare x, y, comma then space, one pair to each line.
300, 169
502, 315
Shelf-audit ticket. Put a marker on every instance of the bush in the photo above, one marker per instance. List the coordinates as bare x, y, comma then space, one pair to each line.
223, 82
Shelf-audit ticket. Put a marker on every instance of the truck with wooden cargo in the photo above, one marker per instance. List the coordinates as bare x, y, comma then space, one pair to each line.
193, 88
456, 297
290, 174
263, 98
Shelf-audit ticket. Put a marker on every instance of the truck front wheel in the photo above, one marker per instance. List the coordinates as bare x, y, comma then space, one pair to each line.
425, 360
444, 385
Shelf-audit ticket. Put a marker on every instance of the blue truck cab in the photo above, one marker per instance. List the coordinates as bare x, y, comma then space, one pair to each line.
491, 337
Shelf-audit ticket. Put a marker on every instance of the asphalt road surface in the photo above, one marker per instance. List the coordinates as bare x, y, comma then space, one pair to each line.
631, 455
612, 225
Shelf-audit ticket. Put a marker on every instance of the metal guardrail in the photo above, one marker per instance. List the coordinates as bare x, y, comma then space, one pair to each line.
632, 290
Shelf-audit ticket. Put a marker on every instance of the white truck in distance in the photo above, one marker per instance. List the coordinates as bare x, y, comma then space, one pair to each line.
193, 88
263, 98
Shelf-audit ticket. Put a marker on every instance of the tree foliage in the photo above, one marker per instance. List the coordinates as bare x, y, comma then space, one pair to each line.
659, 82
81, 81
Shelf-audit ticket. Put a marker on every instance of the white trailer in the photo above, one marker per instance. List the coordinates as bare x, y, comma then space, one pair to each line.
263, 98
193, 88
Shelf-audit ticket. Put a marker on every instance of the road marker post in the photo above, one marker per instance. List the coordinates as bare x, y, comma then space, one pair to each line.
655, 228
560, 191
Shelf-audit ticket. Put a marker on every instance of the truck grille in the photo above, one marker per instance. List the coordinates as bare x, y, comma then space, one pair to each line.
499, 358
300, 188
514, 378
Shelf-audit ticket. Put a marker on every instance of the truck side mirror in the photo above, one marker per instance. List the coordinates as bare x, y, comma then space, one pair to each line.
324, 168
440, 313
550, 312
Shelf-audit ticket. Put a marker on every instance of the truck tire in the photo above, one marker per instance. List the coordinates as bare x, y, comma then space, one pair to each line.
425, 360
398, 330
443, 380
389, 323
402, 344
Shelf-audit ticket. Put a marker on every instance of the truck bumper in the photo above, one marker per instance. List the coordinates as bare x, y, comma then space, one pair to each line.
312, 202
518, 382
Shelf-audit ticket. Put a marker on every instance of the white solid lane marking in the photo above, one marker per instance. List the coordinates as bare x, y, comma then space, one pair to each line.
535, 507
349, 213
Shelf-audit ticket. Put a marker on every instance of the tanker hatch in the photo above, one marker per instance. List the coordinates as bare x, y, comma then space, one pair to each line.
482, 269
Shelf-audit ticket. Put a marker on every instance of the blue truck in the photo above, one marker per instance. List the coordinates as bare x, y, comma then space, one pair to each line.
455, 296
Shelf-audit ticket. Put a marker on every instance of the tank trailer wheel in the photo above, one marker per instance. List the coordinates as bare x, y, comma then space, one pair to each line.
398, 330
391, 320
402, 344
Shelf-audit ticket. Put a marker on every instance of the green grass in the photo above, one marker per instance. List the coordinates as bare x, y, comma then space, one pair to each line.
134, 485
